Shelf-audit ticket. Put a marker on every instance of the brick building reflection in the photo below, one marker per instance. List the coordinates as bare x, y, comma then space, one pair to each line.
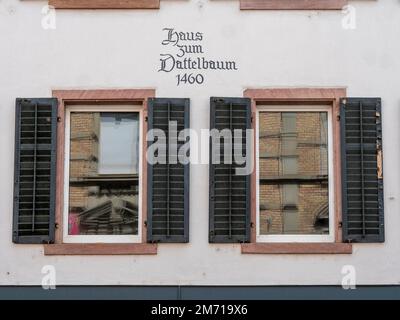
293, 173
99, 204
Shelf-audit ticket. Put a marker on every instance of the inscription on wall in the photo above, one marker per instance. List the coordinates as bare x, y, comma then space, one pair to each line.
184, 55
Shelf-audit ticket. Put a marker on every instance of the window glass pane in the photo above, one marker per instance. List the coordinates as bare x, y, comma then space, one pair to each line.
290, 193
289, 134
289, 165
103, 186
290, 221
293, 173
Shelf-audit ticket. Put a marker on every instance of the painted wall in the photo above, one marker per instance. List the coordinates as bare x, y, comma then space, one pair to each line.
120, 49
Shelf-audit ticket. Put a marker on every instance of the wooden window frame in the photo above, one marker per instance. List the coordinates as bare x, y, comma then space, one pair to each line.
137, 238
303, 238
105, 4
292, 4
303, 96
71, 97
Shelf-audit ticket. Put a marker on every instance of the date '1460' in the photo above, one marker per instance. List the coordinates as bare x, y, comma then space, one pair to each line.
190, 78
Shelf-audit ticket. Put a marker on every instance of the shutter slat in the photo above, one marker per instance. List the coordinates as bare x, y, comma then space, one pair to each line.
35, 170
168, 184
361, 134
229, 202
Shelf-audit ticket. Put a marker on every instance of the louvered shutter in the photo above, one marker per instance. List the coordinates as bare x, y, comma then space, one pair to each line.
229, 199
168, 184
362, 177
35, 170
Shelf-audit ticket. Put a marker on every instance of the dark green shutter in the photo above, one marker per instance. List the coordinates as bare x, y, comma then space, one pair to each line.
35, 170
229, 200
168, 184
362, 176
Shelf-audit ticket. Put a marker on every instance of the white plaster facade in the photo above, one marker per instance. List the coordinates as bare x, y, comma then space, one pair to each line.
103, 49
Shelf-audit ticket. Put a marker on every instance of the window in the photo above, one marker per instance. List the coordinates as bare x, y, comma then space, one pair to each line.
295, 174
102, 174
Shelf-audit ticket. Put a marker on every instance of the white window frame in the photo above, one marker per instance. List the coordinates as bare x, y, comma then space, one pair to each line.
100, 238
284, 238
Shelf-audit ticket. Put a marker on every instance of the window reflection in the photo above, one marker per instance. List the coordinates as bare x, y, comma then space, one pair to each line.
293, 173
104, 156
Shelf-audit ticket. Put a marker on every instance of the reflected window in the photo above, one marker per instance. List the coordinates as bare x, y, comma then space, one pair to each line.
118, 136
103, 173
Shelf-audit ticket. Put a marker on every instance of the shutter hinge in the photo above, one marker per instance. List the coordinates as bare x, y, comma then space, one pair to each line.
58, 119
146, 119
251, 119
340, 224
145, 223
252, 224
56, 225
338, 117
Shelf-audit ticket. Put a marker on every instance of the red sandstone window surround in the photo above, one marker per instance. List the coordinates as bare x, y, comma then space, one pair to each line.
300, 96
67, 98
105, 4
292, 4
